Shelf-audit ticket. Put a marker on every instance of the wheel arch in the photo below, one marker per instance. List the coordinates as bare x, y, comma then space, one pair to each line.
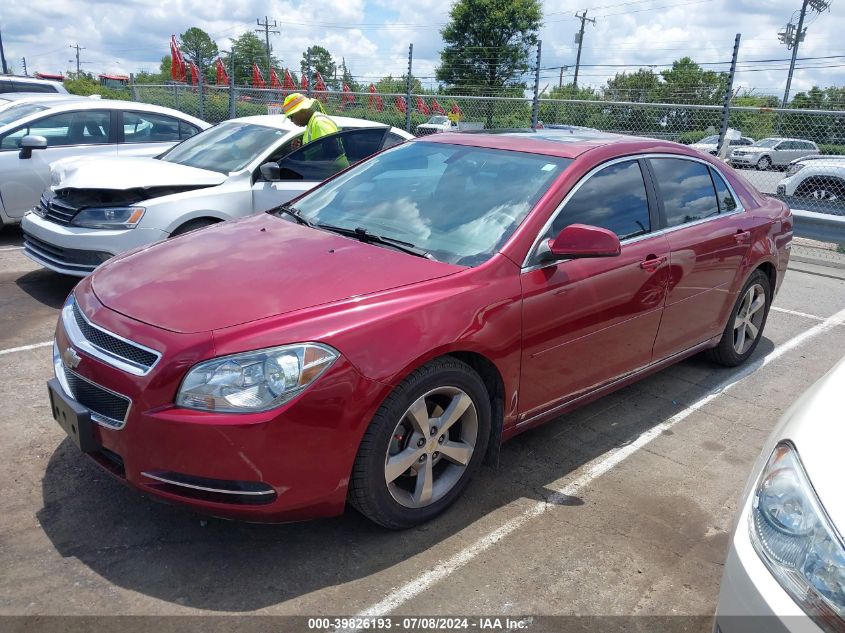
213, 216
803, 187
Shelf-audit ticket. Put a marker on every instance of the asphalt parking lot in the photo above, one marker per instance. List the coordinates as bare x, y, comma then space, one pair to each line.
623, 507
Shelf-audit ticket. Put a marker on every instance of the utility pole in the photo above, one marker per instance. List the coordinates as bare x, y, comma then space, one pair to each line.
308, 76
726, 108
23, 60
3, 55
266, 28
78, 48
792, 36
579, 38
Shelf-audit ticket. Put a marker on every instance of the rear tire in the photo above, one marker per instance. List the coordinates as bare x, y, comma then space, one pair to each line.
744, 328
423, 445
193, 225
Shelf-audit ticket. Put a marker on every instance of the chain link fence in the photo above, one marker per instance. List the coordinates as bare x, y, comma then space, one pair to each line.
797, 155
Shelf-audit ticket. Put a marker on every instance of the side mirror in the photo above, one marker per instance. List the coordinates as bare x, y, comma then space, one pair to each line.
580, 241
270, 171
29, 143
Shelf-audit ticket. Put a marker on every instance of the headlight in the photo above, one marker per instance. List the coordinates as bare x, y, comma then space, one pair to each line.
254, 381
794, 169
792, 534
109, 218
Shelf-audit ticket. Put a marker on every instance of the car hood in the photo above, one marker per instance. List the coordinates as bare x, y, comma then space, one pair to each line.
250, 269
129, 173
703, 145
814, 426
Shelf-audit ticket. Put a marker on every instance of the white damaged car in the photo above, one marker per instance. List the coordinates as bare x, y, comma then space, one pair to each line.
99, 207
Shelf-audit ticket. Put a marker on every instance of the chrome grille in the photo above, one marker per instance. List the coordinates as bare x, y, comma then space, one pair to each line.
56, 210
106, 407
110, 348
111, 344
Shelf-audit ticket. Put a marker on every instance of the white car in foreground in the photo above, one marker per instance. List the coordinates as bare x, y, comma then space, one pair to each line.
98, 208
816, 177
787, 555
35, 134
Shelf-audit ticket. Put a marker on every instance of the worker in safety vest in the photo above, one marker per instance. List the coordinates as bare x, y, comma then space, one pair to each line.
308, 113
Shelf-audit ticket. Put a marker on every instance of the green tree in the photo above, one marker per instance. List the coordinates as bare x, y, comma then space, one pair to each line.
488, 46
346, 77
197, 46
641, 87
250, 49
165, 67
390, 84
322, 62
687, 82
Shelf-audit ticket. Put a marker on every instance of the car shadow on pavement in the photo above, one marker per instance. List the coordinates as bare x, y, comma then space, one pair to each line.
177, 556
47, 287
10, 236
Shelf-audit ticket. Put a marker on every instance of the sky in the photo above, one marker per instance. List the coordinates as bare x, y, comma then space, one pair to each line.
373, 35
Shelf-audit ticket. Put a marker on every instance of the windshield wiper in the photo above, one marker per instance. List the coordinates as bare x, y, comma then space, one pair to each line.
293, 212
363, 235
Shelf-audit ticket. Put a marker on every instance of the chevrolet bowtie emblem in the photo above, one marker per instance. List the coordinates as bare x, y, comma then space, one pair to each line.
71, 358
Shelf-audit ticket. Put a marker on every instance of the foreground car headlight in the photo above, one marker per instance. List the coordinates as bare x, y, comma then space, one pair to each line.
793, 535
109, 218
254, 381
794, 169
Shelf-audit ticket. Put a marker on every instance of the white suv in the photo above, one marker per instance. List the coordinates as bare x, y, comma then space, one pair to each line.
769, 152
12, 83
816, 177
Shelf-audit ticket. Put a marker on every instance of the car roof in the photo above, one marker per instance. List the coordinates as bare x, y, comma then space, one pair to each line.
114, 104
283, 123
38, 96
564, 143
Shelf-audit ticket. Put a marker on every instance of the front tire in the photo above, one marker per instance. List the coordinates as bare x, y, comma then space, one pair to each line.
764, 163
423, 445
746, 322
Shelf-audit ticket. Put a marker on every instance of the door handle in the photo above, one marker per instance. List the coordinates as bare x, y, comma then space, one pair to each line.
652, 263
742, 236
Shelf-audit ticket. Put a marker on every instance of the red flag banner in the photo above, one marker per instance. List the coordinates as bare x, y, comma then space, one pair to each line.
274, 80
222, 75
177, 63
436, 107
303, 82
456, 110
347, 97
422, 107
195, 74
288, 82
320, 87
400, 103
257, 77
376, 102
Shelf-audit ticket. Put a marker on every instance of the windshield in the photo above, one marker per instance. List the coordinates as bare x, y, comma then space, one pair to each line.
18, 111
438, 119
767, 142
460, 204
226, 147
709, 140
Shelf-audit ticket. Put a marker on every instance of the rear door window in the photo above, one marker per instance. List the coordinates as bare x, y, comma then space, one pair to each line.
614, 198
686, 189
727, 203
148, 127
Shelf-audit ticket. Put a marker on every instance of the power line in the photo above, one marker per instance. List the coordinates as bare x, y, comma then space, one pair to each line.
579, 38
792, 36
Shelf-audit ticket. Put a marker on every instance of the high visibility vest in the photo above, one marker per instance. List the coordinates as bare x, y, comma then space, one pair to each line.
318, 125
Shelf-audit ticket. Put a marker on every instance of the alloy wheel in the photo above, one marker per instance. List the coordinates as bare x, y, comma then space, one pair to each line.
764, 163
431, 447
749, 318
823, 194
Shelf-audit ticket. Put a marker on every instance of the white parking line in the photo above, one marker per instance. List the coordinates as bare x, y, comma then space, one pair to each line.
24, 348
12, 248
589, 472
796, 313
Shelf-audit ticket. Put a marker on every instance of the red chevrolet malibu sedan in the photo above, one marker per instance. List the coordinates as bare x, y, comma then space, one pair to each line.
370, 342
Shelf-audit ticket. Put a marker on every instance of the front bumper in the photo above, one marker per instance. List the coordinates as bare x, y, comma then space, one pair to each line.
77, 251
292, 463
748, 159
750, 599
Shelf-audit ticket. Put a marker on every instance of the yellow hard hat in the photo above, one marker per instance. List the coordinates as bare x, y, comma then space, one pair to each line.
296, 102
